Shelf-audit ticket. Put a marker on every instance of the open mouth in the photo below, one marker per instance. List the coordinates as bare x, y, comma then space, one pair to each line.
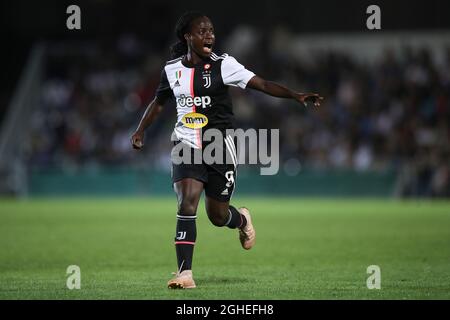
207, 47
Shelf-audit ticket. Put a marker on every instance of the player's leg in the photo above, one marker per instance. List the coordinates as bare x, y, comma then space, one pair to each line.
219, 190
188, 181
221, 214
188, 191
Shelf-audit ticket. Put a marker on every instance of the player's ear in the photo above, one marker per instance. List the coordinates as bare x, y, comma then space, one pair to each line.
186, 36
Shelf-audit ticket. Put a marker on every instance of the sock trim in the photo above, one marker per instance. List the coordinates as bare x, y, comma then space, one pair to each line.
229, 218
184, 242
186, 217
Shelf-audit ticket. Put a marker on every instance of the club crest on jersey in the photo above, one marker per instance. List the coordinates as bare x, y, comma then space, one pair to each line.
207, 79
194, 120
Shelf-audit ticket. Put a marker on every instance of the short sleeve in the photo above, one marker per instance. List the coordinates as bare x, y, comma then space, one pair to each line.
234, 74
164, 91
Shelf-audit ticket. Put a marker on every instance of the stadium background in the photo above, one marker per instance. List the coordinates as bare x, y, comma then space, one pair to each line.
71, 99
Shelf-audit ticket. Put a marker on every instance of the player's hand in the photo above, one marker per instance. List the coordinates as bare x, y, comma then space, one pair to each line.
309, 97
137, 140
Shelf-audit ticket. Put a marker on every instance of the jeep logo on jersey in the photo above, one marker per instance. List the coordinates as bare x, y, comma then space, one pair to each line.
194, 120
203, 101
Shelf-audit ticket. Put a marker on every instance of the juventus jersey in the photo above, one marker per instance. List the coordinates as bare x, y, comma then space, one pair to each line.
201, 94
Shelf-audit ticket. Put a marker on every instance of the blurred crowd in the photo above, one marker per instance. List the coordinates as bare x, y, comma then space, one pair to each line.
392, 114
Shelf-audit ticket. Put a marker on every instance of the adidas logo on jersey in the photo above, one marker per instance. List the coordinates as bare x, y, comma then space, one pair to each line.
225, 192
177, 84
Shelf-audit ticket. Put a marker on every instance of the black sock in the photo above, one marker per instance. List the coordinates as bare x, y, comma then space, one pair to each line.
236, 219
185, 241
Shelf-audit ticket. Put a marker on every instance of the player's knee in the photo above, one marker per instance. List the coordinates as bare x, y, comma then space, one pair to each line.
187, 207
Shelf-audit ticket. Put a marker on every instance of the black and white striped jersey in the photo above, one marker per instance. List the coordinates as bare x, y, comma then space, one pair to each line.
201, 94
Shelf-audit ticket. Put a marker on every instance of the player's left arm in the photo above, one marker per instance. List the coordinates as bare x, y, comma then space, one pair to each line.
277, 90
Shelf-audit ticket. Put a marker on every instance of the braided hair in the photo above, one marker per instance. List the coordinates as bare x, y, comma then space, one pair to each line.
182, 27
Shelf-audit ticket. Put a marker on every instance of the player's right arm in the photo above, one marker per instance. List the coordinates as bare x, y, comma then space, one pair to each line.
163, 93
150, 114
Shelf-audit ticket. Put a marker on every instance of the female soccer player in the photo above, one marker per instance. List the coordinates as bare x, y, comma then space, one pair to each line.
198, 79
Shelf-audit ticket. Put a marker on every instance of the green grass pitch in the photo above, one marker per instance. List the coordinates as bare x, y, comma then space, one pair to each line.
305, 249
